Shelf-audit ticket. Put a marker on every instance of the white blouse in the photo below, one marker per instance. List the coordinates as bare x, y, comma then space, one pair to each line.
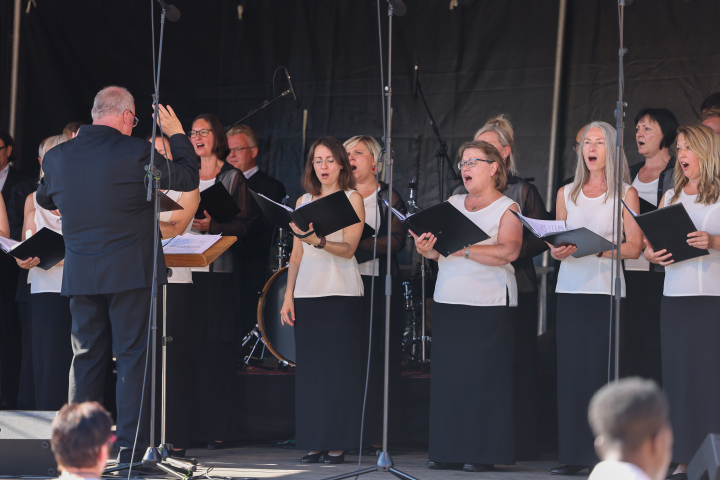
371, 267
648, 192
462, 281
589, 274
321, 273
701, 275
46, 281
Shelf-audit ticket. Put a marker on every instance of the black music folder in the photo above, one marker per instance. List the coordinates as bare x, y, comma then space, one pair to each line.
328, 214
219, 204
367, 232
47, 245
167, 204
668, 228
555, 232
453, 230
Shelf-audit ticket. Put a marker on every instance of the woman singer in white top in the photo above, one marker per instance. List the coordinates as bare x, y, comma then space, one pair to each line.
324, 302
585, 288
471, 409
690, 308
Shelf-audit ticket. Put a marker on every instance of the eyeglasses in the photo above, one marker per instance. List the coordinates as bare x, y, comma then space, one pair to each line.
4, 146
319, 161
200, 133
471, 162
237, 150
135, 119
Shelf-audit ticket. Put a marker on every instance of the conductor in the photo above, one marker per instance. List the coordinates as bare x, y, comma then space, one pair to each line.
97, 181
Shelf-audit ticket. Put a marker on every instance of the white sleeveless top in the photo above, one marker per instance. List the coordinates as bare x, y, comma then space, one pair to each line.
589, 274
462, 281
179, 274
701, 275
46, 281
371, 267
322, 274
648, 192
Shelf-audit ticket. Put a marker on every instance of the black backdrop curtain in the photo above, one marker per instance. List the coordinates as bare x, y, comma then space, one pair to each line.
481, 58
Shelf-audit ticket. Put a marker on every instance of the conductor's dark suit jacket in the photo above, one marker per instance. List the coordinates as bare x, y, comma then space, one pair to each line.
97, 181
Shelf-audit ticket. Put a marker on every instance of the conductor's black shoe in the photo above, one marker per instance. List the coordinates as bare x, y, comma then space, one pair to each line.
311, 457
568, 469
125, 455
444, 466
334, 459
478, 467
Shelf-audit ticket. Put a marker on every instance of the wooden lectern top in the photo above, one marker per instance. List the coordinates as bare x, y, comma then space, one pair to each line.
201, 259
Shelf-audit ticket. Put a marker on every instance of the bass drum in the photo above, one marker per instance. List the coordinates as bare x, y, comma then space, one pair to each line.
279, 338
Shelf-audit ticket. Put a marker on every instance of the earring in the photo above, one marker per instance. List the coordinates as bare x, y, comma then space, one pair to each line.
373, 169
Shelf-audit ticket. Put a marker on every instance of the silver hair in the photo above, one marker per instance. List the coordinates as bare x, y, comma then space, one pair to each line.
112, 101
503, 128
582, 174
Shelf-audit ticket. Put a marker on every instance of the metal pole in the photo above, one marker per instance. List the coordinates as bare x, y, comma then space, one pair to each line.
550, 191
14, 69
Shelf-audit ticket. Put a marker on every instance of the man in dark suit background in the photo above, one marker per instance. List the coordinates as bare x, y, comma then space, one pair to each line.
255, 248
97, 181
9, 320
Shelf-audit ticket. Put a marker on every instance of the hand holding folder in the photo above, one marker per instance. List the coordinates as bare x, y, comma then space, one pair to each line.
47, 245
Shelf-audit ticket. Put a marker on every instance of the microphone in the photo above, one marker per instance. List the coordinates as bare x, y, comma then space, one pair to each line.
171, 11
415, 81
292, 89
398, 7
411, 200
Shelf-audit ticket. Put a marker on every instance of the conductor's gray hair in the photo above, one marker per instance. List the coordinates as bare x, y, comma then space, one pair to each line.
112, 101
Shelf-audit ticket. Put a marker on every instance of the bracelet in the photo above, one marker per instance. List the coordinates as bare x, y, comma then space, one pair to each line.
467, 253
321, 244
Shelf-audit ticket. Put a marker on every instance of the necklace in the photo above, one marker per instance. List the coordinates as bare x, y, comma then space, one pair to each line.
476, 206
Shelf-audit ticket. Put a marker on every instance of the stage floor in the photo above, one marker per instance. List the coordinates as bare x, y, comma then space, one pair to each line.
271, 462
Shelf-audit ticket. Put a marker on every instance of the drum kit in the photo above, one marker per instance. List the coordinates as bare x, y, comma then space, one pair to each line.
269, 333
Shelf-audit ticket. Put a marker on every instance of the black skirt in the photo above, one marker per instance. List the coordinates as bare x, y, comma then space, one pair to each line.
471, 386
640, 344
690, 335
585, 364
330, 374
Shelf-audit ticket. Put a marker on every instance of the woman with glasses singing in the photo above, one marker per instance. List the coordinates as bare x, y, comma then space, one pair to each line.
215, 288
584, 289
471, 399
324, 302
689, 318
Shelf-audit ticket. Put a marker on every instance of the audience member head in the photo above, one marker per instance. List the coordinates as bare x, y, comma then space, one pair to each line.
498, 131
346, 180
364, 154
698, 161
630, 422
6, 148
72, 128
208, 137
655, 130
243, 143
81, 438
597, 152
713, 100
115, 107
711, 118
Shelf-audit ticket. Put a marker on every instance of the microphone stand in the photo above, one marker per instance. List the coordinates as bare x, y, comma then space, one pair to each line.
262, 106
620, 127
441, 154
156, 457
385, 463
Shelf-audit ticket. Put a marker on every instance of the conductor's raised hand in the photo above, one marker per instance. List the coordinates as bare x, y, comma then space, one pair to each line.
661, 257
562, 252
311, 239
168, 121
287, 313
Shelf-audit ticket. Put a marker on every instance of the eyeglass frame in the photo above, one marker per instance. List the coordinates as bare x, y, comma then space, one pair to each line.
237, 150
136, 120
4, 146
475, 160
194, 133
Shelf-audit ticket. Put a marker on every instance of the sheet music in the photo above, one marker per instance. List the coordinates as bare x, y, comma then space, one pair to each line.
543, 227
8, 244
189, 244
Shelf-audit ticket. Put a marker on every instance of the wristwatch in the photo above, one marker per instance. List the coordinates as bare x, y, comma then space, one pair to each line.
467, 253
321, 244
